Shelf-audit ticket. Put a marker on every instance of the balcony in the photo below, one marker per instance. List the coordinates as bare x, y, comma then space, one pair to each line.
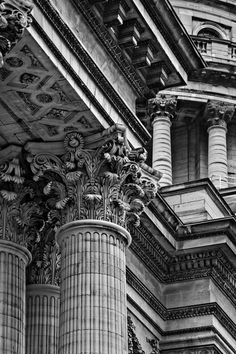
216, 50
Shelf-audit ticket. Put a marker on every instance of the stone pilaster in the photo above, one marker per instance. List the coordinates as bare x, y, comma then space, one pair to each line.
218, 114
14, 18
98, 187
13, 261
42, 321
163, 111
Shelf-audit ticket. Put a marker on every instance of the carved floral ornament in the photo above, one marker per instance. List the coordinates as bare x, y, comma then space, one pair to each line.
219, 113
23, 220
20, 213
14, 18
97, 177
163, 105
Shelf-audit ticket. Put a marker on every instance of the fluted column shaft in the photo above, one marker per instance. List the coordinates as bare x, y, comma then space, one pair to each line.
42, 321
217, 155
13, 261
93, 309
162, 148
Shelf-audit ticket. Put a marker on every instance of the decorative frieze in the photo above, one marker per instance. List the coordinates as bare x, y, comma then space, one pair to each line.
14, 19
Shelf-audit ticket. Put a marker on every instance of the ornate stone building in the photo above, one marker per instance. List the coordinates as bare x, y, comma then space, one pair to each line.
117, 177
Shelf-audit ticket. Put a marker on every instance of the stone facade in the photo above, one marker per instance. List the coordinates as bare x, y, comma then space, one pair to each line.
117, 190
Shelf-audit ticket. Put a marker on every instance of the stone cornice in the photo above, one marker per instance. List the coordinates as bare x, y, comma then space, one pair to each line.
111, 46
160, 208
165, 19
172, 314
209, 349
60, 26
188, 266
200, 184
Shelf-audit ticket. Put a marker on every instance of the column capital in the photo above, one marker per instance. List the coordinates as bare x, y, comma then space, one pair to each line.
14, 18
20, 212
163, 106
46, 258
95, 177
219, 113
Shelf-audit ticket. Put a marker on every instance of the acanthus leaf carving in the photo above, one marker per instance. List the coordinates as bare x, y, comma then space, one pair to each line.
46, 257
163, 105
134, 346
106, 182
20, 213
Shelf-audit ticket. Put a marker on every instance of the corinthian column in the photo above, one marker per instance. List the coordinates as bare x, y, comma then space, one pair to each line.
14, 18
163, 111
102, 187
218, 114
16, 222
43, 295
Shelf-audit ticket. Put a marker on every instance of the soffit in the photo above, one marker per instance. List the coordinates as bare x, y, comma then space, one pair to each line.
37, 103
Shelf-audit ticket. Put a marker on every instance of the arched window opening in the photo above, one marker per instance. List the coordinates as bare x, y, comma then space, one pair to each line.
209, 33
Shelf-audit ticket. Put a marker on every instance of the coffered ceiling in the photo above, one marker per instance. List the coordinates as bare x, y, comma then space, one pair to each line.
37, 103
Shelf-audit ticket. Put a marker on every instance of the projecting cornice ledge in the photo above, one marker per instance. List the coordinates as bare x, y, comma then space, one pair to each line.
163, 14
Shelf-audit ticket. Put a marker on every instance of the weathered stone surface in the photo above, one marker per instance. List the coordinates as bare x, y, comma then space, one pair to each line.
93, 312
13, 261
42, 319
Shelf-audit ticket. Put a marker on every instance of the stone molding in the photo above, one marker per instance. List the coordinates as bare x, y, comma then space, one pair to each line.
74, 45
111, 46
181, 267
71, 227
14, 19
180, 312
209, 349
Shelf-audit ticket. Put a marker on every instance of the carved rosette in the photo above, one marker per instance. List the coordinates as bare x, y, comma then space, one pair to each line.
14, 18
104, 180
20, 214
163, 106
219, 113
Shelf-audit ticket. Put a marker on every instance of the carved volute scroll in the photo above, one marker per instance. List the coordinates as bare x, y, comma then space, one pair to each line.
14, 18
219, 113
20, 214
97, 177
